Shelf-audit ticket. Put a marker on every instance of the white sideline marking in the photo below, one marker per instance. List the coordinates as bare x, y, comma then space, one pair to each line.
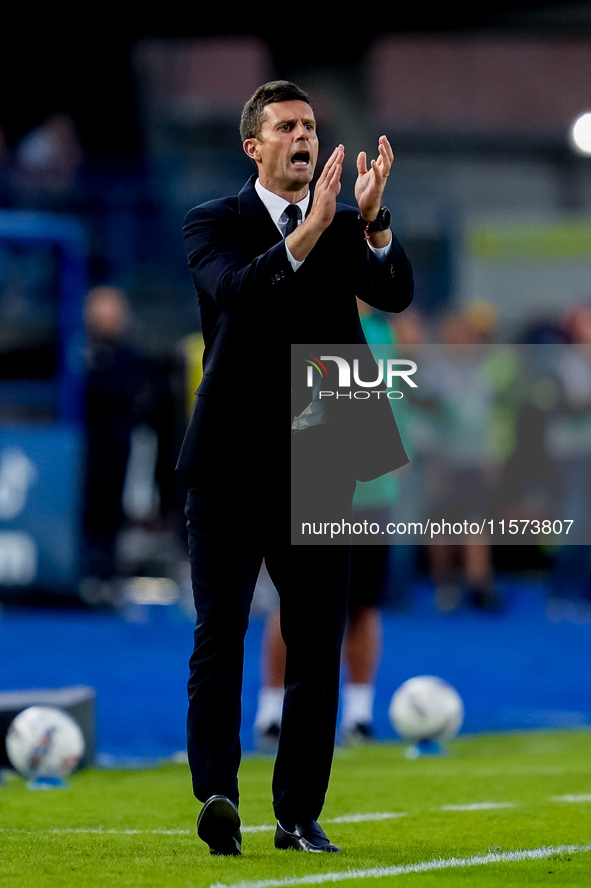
269, 827
346, 818
584, 797
422, 867
265, 827
101, 831
478, 806
362, 818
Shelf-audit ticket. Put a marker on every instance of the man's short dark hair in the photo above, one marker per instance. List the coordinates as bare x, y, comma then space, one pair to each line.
253, 112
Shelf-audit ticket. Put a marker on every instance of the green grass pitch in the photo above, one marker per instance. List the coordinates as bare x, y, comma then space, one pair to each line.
506, 809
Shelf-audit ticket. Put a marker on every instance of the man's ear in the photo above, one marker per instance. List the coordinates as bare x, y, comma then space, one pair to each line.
251, 147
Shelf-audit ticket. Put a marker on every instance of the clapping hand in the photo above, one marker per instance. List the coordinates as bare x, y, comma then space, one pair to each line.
371, 180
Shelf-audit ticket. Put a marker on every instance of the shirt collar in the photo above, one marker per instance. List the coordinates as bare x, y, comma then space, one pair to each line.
276, 205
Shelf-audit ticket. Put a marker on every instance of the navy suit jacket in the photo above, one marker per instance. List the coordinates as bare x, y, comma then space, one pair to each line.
254, 307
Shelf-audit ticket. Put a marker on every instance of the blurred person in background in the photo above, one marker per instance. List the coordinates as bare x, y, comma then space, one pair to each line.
361, 651
460, 475
569, 447
47, 162
529, 487
115, 386
373, 579
411, 333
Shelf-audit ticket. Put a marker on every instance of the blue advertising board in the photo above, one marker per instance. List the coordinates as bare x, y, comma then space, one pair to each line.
42, 284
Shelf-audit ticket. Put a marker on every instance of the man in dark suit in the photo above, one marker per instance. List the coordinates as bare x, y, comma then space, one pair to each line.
261, 287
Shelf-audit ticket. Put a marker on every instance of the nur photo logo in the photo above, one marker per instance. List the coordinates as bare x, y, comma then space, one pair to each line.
383, 372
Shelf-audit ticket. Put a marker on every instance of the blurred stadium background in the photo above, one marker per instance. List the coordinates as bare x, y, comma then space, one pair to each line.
109, 133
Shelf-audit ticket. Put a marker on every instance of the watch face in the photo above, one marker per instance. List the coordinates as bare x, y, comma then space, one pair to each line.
381, 222
384, 217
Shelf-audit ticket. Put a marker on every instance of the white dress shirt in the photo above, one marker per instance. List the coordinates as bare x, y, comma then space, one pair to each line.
276, 207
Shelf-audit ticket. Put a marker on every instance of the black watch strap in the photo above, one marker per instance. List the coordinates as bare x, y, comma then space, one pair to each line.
380, 223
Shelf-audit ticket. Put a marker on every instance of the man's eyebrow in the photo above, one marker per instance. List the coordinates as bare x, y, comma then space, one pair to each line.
295, 120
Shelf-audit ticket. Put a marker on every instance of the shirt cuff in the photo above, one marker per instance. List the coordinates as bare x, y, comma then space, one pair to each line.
380, 252
295, 263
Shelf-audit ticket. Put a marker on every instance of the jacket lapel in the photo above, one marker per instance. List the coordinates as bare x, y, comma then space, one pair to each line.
258, 228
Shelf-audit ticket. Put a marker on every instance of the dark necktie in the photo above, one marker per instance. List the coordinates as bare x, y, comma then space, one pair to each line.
294, 214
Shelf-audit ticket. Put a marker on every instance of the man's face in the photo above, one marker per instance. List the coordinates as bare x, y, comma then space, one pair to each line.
286, 150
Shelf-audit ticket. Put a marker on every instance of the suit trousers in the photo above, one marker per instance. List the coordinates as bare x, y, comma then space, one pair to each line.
232, 526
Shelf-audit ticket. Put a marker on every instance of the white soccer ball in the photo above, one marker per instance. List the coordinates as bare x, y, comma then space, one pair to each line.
44, 742
426, 708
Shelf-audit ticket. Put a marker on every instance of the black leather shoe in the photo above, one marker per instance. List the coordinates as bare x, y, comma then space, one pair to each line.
307, 836
219, 826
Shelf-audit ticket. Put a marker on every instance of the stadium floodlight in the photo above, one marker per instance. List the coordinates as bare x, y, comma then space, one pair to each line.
580, 134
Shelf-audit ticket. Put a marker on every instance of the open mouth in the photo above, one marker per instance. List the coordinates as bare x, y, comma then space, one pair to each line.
301, 158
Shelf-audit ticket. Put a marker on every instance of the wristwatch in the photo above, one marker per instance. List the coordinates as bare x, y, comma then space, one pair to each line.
380, 223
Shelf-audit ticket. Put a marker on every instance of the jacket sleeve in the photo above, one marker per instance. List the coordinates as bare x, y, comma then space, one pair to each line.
220, 268
389, 283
